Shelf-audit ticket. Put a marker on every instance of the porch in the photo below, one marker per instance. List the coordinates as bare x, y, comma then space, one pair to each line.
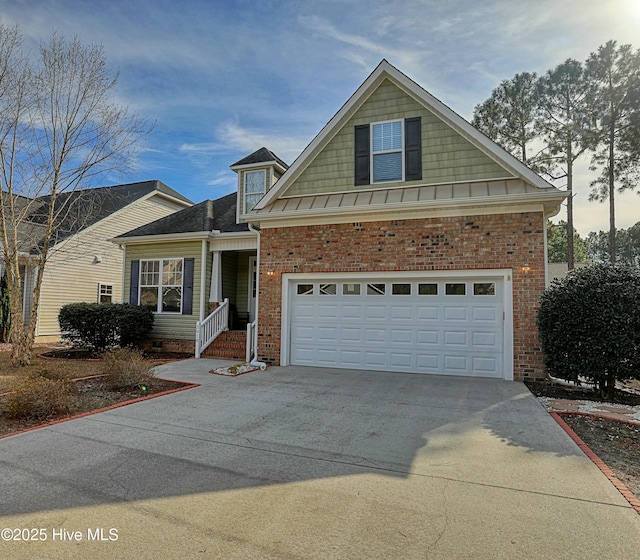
228, 330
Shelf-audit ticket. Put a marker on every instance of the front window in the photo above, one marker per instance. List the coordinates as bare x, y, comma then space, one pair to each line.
255, 186
105, 293
386, 150
161, 285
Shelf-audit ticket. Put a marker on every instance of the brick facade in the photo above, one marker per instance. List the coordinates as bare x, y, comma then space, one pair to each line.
507, 241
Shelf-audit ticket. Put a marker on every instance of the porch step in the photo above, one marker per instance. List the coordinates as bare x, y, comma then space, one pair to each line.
230, 345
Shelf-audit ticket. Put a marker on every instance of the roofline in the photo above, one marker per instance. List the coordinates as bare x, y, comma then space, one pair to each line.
177, 237
273, 163
551, 201
386, 70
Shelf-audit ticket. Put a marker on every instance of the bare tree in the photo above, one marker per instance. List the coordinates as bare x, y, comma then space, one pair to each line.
59, 131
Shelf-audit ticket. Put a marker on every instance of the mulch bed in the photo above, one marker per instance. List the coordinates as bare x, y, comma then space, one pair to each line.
93, 395
83, 354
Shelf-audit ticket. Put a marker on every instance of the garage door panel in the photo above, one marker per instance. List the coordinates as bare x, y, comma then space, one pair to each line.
375, 336
351, 334
399, 328
456, 313
401, 312
352, 312
484, 314
372, 359
485, 340
327, 334
428, 337
375, 311
400, 360
455, 338
428, 313
402, 336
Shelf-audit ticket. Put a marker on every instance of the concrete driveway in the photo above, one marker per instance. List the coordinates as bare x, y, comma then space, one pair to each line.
312, 463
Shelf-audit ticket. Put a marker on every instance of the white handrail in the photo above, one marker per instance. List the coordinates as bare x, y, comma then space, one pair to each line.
209, 328
252, 333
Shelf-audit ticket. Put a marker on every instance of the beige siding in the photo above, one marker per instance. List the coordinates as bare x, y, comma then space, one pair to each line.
72, 273
446, 156
170, 325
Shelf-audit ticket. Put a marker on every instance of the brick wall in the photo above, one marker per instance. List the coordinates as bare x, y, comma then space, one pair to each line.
488, 242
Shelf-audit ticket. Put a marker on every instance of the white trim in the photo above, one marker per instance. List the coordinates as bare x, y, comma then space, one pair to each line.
164, 238
375, 215
438, 207
161, 285
215, 289
381, 152
505, 274
203, 278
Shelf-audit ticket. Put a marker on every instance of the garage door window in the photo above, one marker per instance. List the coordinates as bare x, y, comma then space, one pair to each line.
305, 289
351, 289
327, 289
401, 289
427, 289
484, 289
375, 289
455, 289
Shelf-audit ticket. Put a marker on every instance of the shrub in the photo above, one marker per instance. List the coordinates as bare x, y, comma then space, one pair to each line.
589, 325
104, 325
125, 368
39, 397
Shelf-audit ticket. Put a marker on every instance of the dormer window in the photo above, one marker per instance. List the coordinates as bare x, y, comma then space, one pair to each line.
255, 187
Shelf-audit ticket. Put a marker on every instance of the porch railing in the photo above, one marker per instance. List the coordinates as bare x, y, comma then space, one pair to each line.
252, 333
208, 329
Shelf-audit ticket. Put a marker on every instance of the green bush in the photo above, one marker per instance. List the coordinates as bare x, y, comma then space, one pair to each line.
104, 325
589, 325
125, 368
38, 397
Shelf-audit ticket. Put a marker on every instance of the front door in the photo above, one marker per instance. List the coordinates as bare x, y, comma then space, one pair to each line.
253, 285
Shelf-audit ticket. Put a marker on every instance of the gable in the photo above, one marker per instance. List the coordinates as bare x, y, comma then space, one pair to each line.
448, 168
447, 157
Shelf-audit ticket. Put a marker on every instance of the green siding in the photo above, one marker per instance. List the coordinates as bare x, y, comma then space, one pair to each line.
229, 275
242, 285
446, 156
170, 325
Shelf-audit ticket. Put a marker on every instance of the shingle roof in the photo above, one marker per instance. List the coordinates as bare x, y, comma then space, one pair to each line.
206, 216
83, 208
263, 155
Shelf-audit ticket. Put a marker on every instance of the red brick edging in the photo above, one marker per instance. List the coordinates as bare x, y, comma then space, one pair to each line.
621, 486
106, 408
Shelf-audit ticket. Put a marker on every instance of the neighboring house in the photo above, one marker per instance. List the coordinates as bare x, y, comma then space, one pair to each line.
83, 265
401, 239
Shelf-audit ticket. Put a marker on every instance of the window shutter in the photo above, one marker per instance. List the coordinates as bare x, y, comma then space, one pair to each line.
412, 150
187, 287
133, 285
362, 165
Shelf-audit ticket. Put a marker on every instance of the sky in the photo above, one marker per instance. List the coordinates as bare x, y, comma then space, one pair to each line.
222, 78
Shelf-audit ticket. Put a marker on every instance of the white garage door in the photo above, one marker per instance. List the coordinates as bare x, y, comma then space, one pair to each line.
442, 326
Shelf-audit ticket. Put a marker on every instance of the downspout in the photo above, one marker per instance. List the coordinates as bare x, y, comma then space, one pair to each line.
255, 362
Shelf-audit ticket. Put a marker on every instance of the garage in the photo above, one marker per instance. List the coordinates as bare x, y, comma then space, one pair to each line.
450, 325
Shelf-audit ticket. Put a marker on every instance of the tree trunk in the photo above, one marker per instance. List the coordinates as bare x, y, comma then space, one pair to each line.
570, 256
612, 207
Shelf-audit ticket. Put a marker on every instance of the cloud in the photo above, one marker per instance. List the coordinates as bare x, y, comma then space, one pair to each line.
231, 137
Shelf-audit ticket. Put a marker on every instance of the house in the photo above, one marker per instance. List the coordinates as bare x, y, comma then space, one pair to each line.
82, 264
401, 239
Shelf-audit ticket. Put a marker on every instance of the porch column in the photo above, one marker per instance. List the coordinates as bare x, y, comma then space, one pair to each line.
215, 293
